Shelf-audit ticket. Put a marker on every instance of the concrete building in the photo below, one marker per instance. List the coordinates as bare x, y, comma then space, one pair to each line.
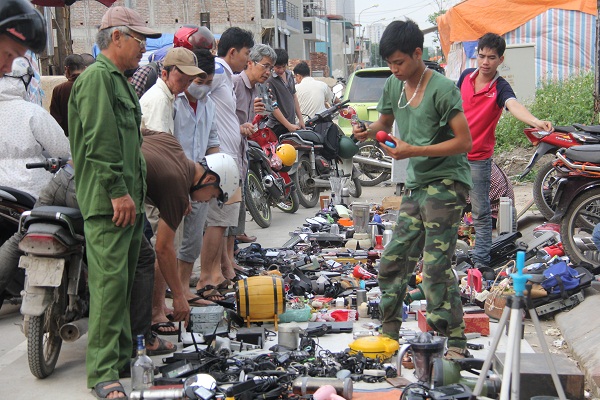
304, 28
168, 15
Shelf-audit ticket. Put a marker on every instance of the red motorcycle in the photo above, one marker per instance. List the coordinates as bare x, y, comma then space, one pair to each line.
268, 182
544, 185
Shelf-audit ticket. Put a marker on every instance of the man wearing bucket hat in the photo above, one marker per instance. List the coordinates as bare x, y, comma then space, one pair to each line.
110, 174
180, 68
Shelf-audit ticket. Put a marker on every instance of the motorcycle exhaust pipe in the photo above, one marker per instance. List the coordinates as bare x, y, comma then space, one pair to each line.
73, 330
268, 181
371, 161
310, 182
322, 183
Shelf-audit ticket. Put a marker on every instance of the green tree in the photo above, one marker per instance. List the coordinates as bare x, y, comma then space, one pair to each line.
376, 60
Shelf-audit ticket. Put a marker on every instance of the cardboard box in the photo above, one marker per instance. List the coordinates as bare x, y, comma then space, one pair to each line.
474, 323
477, 323
391, 202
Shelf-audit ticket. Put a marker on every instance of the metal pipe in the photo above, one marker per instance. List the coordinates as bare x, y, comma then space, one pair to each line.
268, 181
73, 330
576, 166
372, 161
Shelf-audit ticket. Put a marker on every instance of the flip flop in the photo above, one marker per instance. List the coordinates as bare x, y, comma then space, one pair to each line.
163, 348
192, 302
156, 328
209, 291
102, 389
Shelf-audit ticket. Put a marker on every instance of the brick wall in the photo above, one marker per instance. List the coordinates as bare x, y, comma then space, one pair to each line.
166, 16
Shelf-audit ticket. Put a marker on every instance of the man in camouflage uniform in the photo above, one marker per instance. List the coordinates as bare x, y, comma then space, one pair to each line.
434, 136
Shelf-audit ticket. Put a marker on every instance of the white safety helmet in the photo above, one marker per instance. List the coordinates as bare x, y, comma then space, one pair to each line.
225, 167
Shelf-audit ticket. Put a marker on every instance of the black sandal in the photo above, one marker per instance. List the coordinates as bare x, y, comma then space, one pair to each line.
102, 389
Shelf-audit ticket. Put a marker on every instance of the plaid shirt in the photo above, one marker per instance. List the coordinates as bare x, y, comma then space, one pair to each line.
500, 186
141, 76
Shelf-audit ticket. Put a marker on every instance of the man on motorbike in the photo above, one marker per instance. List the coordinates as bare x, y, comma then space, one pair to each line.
22, 27
283, 86
28, 130
313, 96
485, 94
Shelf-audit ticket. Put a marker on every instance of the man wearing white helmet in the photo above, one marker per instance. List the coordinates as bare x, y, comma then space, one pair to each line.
172, 181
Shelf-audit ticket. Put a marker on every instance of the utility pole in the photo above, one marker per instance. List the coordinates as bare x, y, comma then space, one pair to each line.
52, 59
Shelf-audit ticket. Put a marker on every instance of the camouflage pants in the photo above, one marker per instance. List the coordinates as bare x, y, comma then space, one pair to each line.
427, 224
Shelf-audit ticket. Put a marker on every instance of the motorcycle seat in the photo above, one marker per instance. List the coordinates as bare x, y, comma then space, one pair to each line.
311, 136
22, 197
565, 128
588, 128
588, 153
73, 215
252, 143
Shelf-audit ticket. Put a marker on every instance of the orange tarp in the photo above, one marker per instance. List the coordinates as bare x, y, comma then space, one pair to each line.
471, 19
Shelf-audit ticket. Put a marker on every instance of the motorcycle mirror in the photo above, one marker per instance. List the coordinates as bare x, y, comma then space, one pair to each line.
338, 90
200, 386
348, 112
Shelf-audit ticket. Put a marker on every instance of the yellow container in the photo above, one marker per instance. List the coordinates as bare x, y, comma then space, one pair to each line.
260, 298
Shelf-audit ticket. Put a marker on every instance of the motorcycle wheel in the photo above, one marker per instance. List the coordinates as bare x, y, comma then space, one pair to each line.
355, 187
544, 189
43, 340
577, 226
307, 195
257, 200
291, 204
371, 175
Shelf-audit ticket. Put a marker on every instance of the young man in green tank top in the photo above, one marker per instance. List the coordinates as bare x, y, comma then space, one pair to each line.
435, 137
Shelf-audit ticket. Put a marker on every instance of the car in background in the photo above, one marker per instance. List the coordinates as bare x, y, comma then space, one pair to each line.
364, 90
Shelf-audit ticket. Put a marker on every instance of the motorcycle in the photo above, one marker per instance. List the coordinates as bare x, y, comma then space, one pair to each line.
577, 201
13, 203
371, 161
319, 159
268, 182
544, 185
54, 299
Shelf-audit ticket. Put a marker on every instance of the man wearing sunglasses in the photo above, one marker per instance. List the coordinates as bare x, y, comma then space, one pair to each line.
22, 27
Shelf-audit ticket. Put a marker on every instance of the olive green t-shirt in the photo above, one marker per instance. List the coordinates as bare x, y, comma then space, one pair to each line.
427, 124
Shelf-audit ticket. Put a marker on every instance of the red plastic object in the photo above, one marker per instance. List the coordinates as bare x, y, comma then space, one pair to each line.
361, 273
474, 279
384, 137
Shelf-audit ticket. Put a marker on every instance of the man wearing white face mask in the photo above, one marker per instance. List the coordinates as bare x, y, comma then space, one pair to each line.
196, 129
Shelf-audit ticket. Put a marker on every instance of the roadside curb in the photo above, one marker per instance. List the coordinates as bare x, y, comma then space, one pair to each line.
580, 328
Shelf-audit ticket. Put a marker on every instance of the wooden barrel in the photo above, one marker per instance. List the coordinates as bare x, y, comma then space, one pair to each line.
260, 297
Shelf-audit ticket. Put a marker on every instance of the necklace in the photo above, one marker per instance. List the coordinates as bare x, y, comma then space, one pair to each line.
414, 94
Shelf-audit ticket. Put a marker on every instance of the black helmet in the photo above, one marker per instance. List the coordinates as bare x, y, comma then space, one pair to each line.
23, 24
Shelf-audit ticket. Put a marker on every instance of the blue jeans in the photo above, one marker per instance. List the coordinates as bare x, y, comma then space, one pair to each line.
481, 172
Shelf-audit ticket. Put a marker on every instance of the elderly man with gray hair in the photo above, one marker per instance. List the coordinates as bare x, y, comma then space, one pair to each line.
110, 175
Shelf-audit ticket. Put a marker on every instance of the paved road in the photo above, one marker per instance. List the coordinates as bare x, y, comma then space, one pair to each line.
68, 381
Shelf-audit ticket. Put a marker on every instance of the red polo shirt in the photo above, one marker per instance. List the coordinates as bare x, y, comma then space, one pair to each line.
483, 110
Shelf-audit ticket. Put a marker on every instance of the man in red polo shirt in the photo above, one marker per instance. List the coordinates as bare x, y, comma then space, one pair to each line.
485, 93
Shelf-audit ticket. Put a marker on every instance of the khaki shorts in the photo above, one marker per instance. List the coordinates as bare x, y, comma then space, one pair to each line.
224, 217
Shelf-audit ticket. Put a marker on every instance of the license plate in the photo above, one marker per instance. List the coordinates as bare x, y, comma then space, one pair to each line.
43, 271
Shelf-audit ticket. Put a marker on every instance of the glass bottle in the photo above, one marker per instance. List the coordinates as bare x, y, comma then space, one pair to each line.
142, 368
